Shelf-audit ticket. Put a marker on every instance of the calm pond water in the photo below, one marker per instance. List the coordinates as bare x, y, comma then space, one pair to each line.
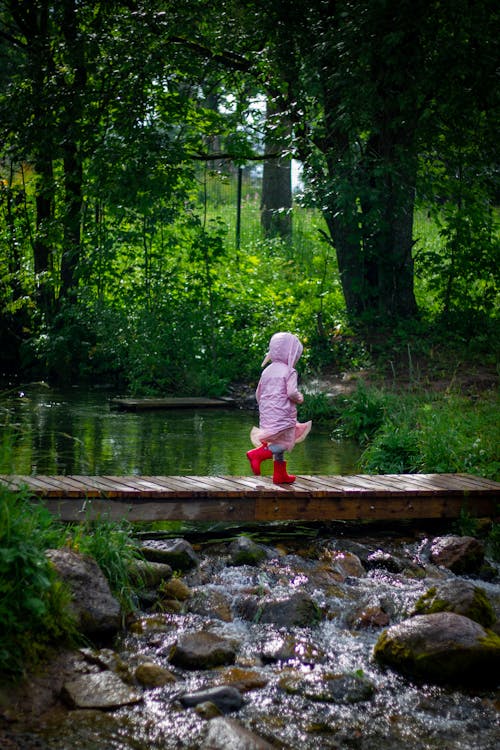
48, 431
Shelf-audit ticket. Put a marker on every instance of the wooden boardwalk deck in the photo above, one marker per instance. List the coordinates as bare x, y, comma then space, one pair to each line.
218, 498
145, 404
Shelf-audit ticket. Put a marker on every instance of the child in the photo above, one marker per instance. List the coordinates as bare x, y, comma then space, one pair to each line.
277, 396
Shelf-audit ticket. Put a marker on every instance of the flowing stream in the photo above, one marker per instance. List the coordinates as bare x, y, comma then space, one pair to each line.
303, 688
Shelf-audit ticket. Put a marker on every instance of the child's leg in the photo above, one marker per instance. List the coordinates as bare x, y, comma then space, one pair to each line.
280, 475
257, 455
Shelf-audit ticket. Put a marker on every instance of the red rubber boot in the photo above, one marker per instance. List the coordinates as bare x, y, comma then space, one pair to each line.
280, 476
257, 455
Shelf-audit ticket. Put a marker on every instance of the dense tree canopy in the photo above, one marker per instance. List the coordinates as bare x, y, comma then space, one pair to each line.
108, 109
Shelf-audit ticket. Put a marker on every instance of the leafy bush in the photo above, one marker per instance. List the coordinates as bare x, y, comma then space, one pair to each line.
318, 407
429, 433
33, 602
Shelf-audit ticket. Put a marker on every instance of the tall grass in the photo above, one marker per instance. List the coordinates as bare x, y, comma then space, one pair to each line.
407, 432
112, 546
34, 611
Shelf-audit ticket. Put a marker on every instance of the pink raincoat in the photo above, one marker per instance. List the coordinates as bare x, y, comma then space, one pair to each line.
278, 395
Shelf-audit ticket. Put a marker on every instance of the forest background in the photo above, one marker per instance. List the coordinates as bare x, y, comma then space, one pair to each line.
152, 236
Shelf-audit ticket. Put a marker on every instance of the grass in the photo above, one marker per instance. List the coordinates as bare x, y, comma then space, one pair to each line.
34, 602
422, 431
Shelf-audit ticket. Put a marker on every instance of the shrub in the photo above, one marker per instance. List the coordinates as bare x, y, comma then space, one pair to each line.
34, 608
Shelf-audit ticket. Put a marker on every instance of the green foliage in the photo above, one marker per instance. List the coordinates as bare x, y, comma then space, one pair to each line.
318, 407
115, 551
466, 525
395, 450
493, 542
436, 434
362, 414
33, 602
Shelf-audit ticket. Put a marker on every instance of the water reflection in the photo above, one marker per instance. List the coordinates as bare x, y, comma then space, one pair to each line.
78, 432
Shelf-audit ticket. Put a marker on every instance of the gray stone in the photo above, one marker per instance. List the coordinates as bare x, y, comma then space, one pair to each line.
460, 554
104, 690
459, 596
202, 650
228, 734
225, 697
177, 553
97, 611
342, 689
149, 574
298, 610
152, 675
244, 551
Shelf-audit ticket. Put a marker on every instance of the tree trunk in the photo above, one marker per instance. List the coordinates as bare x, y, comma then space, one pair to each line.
72, 161
373, 234
276, 201
42, 241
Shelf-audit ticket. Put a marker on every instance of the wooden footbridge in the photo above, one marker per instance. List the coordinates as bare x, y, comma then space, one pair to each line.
218, 498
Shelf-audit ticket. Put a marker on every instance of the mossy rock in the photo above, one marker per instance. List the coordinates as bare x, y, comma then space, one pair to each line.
444, 648
461, 597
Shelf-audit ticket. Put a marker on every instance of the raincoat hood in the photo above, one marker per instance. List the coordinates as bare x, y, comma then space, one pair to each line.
284, 347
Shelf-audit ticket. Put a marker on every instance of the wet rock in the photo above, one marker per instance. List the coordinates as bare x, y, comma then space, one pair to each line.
287, 648
202, 650
152, 675
297, 610
149, 574
371, 617
461, 597
381, 559
243, 680
210, 602
444, 648
104, 690
247, 607
244, 551
96, 610
177, 553
329, 688
225, 734
460, 554
345, 565
106, 658
227, 698
207, 710
175, 589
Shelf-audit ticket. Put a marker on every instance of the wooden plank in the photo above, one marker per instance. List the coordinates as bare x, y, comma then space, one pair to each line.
142, 404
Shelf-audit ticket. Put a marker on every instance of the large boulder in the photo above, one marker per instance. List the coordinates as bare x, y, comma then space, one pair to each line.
97, 612
444, 648
459, 596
